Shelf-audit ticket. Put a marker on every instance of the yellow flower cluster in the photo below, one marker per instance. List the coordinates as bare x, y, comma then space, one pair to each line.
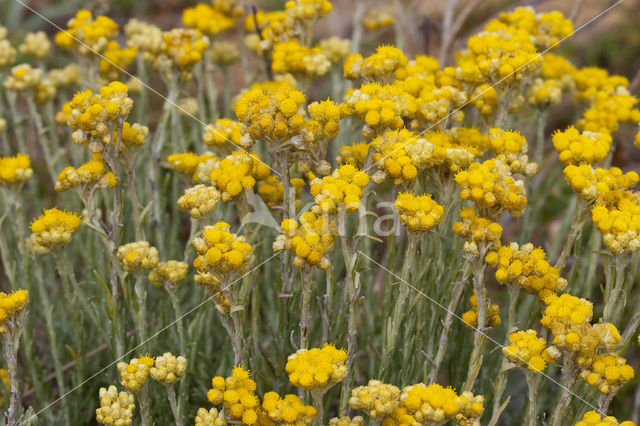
213, 286
317, 368
54, 228
138, 256
341, 191
210, 418
272, 191
576, 148
419, 213
607, 110
36, 44
69, 75
145, 38
287, 411
170, 272
544, 93
134, 375
237, 394
527, 267
387, 63
15, 169
85, 35
116, 60
607, 372
223, 131
546, 29
186, 163
168, 369
116, 409
530, 351
299, 60
396, 150
471, 317
355, 154
11, 306
376, 398
593, 418
23, 77
199, 200
272, 113
511, 148
323, 123
206, 19
435, 404
568, 318
221, 252
381, 107
94, 116
91, 175
346, 421
295, 21
485, 98
492, 188
311, 240
619, 223
376, 18
598, 184
134, 136
182, 48
335, 48
497, 54
480, 232
237, 172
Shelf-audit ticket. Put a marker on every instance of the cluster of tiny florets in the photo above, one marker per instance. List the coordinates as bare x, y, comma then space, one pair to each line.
530, 351
221, 252
418, 213
138, 256
311, 240
116, 409
134, 375
168, 368
317, 368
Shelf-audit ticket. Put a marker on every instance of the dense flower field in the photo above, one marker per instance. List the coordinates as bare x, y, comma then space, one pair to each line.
355, 236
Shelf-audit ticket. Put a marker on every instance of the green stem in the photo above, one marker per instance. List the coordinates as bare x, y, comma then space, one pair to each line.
143, 399
532, 385
11, 344
475, 361
613, 303
141, 310
306, 275
393, 323
569, 375
175, 408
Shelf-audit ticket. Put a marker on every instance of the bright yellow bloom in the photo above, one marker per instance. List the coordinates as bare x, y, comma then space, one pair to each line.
317, 368
170, 272
376, 398
311, 240
287, 411
530, 351
168, 369
54, 228
134, 375
418, 213
12, 305
116, 409
199, 200
138, 256
16, 169
237, 394
221, 252
593, 418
